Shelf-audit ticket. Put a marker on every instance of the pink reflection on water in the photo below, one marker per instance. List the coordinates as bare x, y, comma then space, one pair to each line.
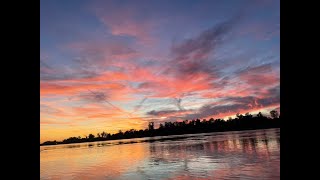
239, 155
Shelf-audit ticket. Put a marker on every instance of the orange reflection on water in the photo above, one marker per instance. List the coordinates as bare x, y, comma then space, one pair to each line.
87, 162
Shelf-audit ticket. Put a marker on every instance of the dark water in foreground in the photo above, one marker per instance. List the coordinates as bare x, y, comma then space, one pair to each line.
253, 154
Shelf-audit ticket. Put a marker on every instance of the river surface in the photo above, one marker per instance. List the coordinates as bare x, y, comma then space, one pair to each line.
253, 154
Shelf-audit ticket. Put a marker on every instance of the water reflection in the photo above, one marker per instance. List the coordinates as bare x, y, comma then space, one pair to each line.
227, 155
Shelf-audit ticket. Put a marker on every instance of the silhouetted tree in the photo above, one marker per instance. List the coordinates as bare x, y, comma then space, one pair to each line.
104, 135
151, 126
274, 114
239, 116
91, 136
248, 115
161, 126
120, 132
259, 115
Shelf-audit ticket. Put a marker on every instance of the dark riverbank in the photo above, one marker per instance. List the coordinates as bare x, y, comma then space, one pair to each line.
241, 122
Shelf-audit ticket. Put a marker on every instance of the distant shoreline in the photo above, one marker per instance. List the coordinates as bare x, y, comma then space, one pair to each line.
153, 140
241, 123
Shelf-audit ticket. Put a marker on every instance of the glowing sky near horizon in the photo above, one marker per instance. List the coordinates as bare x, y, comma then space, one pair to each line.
116, 65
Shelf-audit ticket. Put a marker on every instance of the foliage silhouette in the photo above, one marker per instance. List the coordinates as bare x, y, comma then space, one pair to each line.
241, 122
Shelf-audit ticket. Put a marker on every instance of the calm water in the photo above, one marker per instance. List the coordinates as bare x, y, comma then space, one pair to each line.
253, 154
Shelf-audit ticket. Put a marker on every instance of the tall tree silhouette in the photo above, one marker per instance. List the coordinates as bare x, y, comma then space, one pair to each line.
91, 136
274, 114
260, 115
151, 126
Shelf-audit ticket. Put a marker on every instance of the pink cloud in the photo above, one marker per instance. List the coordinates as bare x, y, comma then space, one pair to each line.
261, 79
107, 51
125, 21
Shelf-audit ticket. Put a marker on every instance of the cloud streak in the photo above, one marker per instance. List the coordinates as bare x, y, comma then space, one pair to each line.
192, 56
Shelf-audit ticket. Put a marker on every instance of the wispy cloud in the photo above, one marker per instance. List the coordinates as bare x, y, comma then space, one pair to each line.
124, 20
192, 56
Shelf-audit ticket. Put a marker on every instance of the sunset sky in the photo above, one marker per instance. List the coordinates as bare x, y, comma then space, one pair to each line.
116, 65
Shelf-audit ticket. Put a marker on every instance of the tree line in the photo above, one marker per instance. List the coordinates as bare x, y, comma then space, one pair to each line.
240, 122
